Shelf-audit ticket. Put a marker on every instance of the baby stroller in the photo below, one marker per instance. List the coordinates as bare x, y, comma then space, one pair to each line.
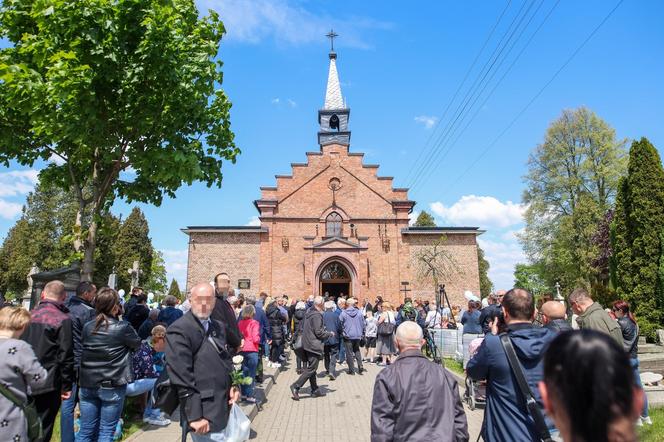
475, 393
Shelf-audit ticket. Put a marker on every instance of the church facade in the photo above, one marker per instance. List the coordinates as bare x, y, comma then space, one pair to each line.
333, 226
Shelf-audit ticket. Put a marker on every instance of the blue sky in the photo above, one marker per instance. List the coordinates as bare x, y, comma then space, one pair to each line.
400, 66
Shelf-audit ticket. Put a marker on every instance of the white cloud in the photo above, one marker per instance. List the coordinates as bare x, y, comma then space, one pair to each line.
275, 101
287, 22
502, 257
426, 120
18, 182
253, 221
481, 211
176, 266
291, 103
9, 210
412, 217
57, 160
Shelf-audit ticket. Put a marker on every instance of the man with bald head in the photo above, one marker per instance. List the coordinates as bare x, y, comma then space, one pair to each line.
199, 365
50, 334
553, 316
415, 399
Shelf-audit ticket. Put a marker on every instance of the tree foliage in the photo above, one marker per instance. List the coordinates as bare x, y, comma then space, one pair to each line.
133, 244
156, 279
528, 277
424, 219
125, 94
174, 289
571, 183
486, 286
638, 241
43, 236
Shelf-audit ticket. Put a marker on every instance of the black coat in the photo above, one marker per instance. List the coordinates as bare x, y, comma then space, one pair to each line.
277, 321
417, 408
198, 370
106, 354
80, 312
313, 332
224, 313
49, 333
137, 315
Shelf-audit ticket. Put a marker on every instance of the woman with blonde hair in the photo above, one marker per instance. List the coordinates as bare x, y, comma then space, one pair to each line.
386, 326
20, 372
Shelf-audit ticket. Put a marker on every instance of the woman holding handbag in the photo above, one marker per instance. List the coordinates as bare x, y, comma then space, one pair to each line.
19, 371
386, 325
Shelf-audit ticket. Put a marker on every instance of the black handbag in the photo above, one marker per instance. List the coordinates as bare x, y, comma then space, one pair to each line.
165, 395
386, 328
531, 404
35, 429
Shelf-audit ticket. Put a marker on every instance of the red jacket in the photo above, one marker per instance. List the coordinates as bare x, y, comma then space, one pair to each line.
250, 329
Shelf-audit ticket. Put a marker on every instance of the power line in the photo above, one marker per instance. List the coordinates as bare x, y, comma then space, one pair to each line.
477, 84
486, 41
536, 96
479, 108
460, 106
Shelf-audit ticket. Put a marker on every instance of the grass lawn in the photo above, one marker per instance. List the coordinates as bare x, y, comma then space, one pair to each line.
654, 432
454, 365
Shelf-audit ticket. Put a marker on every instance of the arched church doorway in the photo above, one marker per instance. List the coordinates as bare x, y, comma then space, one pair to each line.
335, 280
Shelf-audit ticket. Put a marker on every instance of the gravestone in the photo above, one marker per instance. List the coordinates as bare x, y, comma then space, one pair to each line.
70, 276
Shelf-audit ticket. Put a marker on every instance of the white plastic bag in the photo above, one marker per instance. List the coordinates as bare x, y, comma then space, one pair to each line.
239, 426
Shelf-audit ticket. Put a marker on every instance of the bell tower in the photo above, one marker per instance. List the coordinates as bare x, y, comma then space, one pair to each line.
333, 117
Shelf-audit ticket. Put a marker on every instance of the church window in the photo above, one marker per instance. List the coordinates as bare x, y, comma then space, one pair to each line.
333, 224
333, 271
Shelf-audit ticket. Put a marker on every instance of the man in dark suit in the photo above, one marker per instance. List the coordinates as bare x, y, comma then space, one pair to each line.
224, 313
199, 366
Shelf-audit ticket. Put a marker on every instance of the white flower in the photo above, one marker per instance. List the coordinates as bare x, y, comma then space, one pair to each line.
237, 360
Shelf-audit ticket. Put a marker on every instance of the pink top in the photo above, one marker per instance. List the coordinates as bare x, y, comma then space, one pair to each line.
250, 329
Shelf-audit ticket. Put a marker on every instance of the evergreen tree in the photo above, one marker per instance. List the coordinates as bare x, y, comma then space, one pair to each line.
424, 219
16, 258
133, 244
174, 289
486, 286
638, 226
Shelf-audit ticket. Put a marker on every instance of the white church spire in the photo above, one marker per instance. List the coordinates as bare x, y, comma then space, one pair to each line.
333, 98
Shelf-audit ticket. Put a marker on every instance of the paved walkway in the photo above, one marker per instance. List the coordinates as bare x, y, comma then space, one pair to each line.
343, 415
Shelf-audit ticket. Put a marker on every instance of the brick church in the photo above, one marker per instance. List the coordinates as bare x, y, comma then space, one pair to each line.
333, 225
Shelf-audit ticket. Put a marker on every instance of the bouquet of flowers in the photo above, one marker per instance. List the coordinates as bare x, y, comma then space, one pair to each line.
237, 377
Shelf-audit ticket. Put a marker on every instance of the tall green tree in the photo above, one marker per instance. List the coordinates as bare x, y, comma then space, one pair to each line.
637, 236
486, 286
133, 244
156, 280
528, 277
174, 289
43, 236
424, 219
571, 183
125, 94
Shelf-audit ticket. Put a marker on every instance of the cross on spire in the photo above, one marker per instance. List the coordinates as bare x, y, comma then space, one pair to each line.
331, 35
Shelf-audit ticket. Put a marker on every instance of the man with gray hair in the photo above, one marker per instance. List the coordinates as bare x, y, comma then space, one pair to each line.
313, 335
416, 407
331, 348
592, 316
352, 322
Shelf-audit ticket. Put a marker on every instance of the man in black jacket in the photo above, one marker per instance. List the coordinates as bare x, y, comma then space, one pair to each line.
50, 335
421, 407
80, 312
313, 335
224, 313
199, 366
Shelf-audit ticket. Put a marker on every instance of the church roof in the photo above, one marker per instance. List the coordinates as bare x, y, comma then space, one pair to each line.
333, 98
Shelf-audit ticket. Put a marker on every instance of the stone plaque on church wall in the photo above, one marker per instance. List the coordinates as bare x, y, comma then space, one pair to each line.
244, 284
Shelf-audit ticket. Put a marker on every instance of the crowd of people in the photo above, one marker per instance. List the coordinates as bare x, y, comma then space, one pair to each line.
543, 380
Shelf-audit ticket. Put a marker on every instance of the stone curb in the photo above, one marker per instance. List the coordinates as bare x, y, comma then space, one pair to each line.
270, 375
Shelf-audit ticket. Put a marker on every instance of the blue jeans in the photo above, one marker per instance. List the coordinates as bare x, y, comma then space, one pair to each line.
101, 409
342, 350
249, 366
634, 362
208, 437
140, 386
67, 417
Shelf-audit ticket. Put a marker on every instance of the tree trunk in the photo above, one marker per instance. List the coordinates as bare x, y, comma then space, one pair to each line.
88, 265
